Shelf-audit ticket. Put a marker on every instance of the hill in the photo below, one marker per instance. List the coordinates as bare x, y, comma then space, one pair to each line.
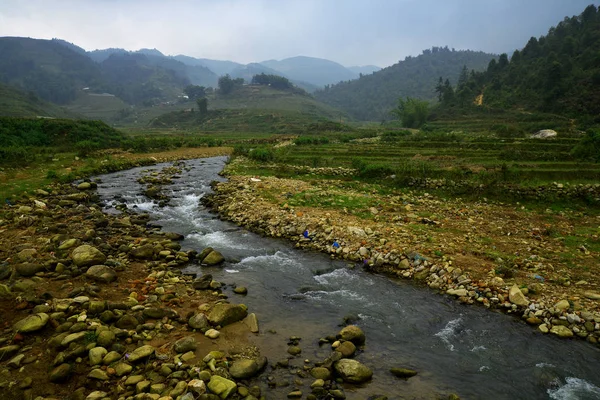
49, 69
365, 69
316, 71
373, 96
557, 73
16, 103
219, 67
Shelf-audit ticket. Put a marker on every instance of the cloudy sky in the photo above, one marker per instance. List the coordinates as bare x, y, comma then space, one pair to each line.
351, 32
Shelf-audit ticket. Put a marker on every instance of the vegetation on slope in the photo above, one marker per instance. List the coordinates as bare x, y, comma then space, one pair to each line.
15, 103
371, 97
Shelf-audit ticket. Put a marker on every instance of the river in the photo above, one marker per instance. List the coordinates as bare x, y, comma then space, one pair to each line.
460, 349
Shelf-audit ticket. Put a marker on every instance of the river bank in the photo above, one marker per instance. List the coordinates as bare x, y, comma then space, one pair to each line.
501, 256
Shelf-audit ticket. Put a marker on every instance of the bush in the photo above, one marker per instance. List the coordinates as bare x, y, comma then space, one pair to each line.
86, 147
262, 154
588, 147
308, 140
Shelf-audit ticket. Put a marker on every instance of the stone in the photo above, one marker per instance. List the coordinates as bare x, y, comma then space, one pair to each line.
141, 353
122, 369
143, 386
154, 312
60, 373
592, 295
199, 321
353, 334
251, 322
97, 395
101, 273
28, 269
544, 134
96, 355
73, 337
203, 282
352, 371
98, 374
127, 322
225, 313
86, 256
403, 372
516, 296
203, 254
179, 389
133, 380
562, 305
212, 333
84, 186
222, 387
457, 292
321, 373
197, 386
561, 331
8, 351
69, 244
144, 252
240, 290
295, 394
243, 369
106, 338
185, 344
31, 323
111, 357
294, 350
347, 349
213, 258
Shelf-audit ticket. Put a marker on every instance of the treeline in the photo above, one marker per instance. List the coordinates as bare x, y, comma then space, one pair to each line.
557, 73
373, 96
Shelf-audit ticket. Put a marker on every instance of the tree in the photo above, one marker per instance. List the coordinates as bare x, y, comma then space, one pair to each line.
439, 89
412, 112
226, 84
194, 92
202, 106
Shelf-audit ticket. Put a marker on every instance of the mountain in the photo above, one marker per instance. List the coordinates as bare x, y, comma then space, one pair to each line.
373, 96
16, 103
364, 69
51, 70
217, 66
557, 73
316, 71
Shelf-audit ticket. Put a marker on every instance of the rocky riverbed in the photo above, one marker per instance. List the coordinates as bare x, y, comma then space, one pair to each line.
95, 306
452, 246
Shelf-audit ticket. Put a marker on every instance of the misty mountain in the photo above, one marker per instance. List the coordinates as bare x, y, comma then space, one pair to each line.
373, 96
217, 66
365, 69
48, 68
316, 71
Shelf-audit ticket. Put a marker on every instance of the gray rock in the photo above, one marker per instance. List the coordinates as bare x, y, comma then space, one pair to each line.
347, 349
199, 321
154, 312
352, 371
32, 323
127, 322
225, 313
321, 373
122, 369
243, 369
251, 322
101, 273
144, 252
353, 334
86, 255
141, 353
185, 344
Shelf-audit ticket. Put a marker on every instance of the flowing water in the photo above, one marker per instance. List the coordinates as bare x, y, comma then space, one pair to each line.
456, 349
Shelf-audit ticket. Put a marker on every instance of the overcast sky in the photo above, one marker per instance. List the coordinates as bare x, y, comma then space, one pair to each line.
351, 32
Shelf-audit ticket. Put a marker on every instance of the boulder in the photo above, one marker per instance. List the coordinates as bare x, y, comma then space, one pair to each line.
86, 255
221, 387
141, 353
544, 134
403, 372
321, 373
202, 283
32, 323
96, 355
199, 321
243, 369
28, 269
353, 334
144, 252
60, 373
226, 313
352, 371
203, 254
185, 344
101, 273
347, 349
517, 297
213, 258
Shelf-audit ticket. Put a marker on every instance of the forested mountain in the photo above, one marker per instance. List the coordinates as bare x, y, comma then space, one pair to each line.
47, 68
558, 73
219, 67
373, 96
316, 71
